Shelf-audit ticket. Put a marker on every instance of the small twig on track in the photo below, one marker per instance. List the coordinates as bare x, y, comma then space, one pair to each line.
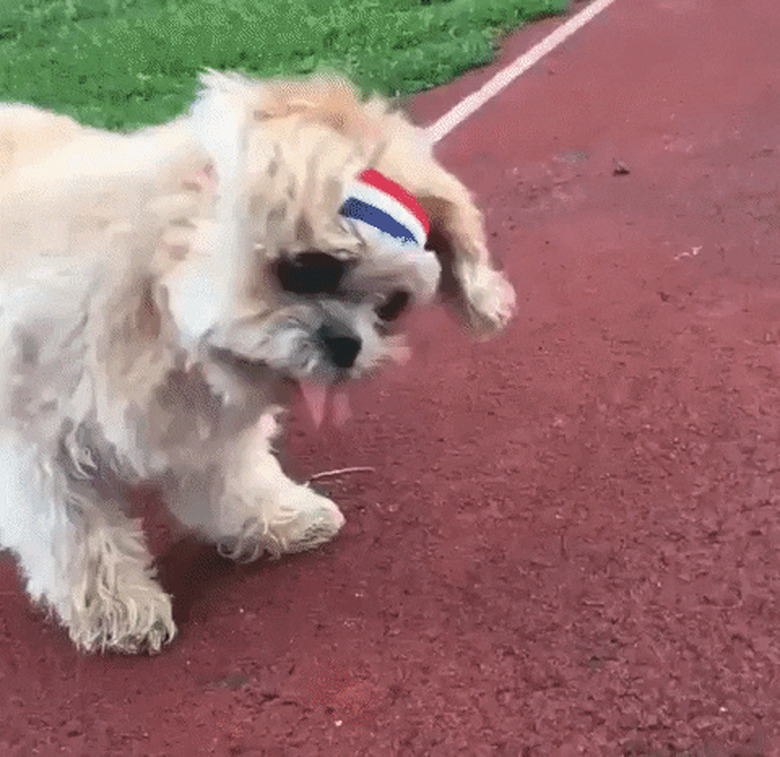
339, 471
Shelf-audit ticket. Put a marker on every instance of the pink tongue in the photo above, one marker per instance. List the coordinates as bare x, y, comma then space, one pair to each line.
341, 410
316, 398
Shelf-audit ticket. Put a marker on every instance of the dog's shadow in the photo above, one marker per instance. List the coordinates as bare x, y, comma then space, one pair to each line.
188, 568
193, 573
198, 578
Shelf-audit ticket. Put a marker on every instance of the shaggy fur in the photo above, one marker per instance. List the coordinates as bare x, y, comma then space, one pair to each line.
145, 336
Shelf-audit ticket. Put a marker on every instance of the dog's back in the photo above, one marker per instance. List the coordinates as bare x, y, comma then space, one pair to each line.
82, 214
28, 133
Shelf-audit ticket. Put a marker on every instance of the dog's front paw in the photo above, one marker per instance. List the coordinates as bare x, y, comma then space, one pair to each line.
302, 522
314, 523
134, 620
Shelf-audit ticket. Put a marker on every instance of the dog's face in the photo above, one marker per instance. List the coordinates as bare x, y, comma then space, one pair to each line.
329, 313
298, 284
322, 294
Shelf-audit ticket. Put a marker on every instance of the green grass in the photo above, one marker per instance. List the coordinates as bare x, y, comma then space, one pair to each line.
124, 63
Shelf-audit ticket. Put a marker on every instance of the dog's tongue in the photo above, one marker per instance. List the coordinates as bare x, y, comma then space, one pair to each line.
316, 398
341, 409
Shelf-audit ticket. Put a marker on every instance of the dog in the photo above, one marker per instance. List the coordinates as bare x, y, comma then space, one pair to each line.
162, 292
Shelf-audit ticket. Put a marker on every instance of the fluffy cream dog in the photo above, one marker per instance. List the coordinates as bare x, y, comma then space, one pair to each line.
160, 293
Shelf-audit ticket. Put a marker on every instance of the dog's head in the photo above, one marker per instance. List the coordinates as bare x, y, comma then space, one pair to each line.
332, 220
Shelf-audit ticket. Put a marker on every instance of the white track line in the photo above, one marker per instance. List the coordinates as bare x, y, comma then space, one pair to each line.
471, 104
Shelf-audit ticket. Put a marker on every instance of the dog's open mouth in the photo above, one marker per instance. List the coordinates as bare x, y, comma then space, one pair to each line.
324, 397
323, 401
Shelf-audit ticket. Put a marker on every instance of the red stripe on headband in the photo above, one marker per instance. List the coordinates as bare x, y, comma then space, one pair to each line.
382, 183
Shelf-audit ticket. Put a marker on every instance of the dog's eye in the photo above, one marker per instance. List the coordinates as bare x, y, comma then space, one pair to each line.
311, 273
393, 306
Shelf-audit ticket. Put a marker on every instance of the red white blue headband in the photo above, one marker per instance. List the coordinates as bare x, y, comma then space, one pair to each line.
379, 202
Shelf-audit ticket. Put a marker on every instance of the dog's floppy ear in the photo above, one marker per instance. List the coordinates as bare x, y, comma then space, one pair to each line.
480, 294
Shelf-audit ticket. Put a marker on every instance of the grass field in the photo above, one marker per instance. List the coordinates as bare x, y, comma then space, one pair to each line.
123, 63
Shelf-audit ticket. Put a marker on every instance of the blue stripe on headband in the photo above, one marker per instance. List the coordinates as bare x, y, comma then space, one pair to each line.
370, 214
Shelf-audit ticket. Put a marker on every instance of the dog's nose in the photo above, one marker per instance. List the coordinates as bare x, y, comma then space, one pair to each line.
342, 345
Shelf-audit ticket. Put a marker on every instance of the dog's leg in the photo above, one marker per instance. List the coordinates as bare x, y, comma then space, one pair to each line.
81, 556
254, 507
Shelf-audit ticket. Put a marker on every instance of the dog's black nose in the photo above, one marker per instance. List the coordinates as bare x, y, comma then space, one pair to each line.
343, 346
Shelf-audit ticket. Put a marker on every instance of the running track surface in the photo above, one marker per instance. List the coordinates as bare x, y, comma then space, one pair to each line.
569, 545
